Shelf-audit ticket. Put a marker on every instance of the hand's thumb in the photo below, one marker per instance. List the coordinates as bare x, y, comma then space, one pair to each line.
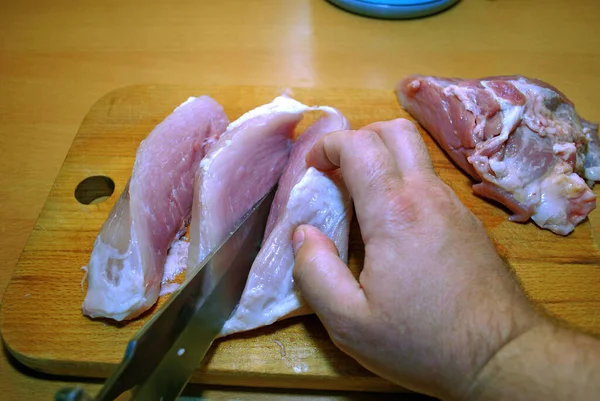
324, 280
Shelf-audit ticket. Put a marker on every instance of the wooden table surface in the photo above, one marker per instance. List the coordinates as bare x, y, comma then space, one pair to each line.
57, 58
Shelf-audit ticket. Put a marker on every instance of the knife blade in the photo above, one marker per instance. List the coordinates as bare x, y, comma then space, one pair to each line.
161, 358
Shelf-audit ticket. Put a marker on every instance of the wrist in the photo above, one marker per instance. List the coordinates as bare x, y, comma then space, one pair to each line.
502, 323
491, 377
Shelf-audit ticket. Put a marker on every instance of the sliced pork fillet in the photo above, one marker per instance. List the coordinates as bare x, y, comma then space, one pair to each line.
304, 196
520, 138
127, 261
239, 170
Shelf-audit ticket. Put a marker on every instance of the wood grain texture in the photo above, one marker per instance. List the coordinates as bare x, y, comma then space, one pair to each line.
57, 58
41, 318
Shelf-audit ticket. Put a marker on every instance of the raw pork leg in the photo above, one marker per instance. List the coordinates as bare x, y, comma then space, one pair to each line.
592, 157
239, 170
126, 265
304, 195
520, 138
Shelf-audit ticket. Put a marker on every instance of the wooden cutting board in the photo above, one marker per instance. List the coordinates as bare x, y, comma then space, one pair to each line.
41, 319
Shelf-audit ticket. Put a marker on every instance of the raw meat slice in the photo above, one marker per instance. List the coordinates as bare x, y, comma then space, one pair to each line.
520, 138
304, 195
239, 170
127, 262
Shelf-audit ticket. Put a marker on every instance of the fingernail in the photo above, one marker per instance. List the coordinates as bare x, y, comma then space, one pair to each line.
297, 239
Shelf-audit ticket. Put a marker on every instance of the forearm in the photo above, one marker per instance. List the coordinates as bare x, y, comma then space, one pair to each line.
548, 362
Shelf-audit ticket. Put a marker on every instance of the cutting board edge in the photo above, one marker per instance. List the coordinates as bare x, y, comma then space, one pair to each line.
97, 370
284, 89
304, 382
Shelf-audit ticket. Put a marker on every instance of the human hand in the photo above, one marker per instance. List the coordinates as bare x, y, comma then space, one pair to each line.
434, 301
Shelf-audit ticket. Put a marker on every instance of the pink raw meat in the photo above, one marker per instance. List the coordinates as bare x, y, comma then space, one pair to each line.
304, 195
127, 262
520, 138
238, 171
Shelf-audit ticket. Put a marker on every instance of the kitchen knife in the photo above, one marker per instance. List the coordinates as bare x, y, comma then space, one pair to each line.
160, 359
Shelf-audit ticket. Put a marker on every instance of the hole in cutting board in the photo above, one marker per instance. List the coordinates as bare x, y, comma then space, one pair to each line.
94, 190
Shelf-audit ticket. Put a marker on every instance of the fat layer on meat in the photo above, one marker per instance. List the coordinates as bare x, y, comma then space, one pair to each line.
519, 138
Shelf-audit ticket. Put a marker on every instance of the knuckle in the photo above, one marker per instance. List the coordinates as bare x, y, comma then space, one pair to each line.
364, 140
406, 209
404, 125
365, 136
414, 202
448, 209
408, 202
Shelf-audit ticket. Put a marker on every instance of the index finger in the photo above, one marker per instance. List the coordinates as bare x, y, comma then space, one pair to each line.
369, 171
